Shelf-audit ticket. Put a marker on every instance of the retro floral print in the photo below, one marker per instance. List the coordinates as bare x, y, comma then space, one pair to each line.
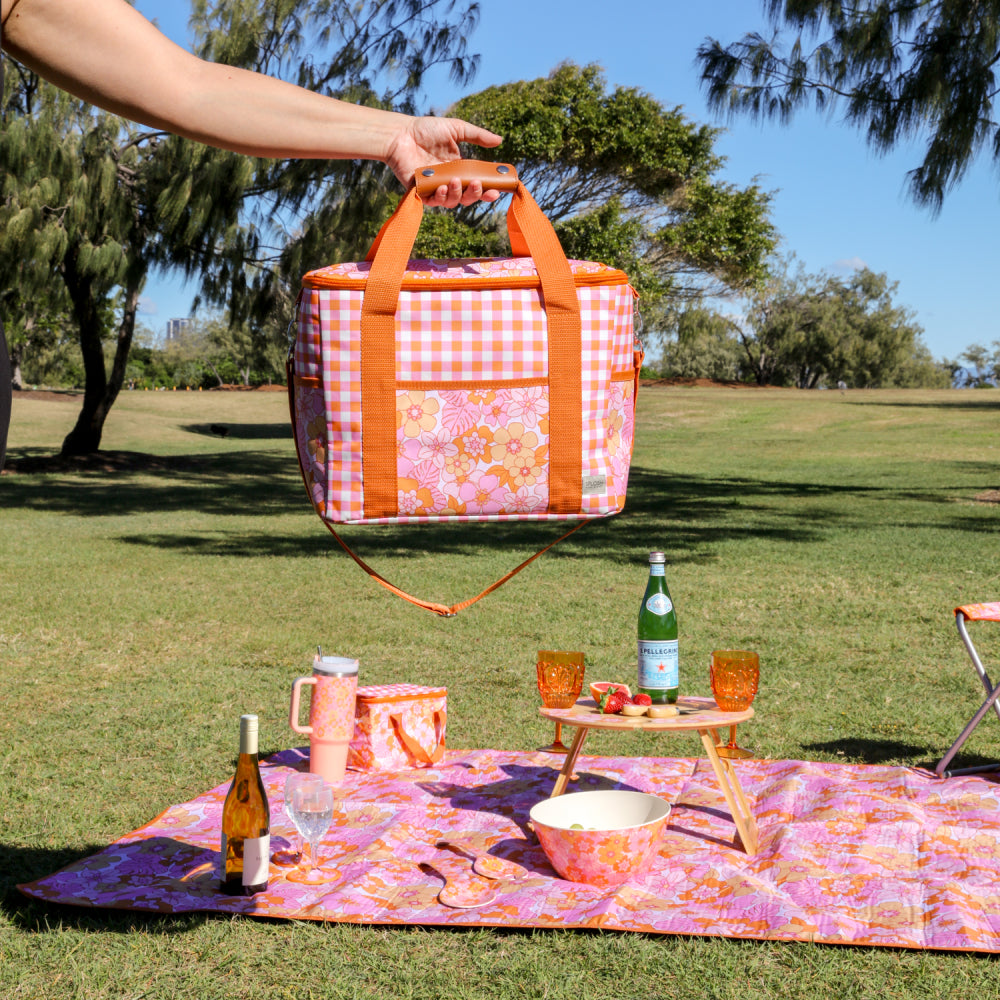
917, 868
460, 451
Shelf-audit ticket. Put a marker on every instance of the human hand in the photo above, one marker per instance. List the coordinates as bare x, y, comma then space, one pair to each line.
424, 142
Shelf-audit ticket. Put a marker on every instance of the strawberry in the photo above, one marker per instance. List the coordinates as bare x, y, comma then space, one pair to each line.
613, 702
641, 699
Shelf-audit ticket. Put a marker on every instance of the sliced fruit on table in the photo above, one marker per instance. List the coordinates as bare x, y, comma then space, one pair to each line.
599, 688
612, 702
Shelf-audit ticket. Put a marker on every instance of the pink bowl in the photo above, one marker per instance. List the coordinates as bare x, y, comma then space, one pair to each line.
620, 832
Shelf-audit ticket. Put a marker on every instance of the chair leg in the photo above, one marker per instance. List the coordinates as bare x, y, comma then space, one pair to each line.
941, 770
976, 662
992, 701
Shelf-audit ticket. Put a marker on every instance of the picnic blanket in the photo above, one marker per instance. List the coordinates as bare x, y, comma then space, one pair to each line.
849, 854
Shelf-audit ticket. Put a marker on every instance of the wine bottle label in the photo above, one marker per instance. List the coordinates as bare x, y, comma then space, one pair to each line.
256, 854
658, 667
659, 604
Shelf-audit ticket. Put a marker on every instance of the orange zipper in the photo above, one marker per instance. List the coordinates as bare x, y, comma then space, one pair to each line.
611, 277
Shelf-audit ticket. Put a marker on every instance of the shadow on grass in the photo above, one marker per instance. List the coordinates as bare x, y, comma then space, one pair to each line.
976, 402
689, 511
692, 512
241, 482
871, 751
243, 432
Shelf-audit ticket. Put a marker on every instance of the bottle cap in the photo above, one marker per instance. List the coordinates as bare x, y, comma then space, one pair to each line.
657, 557
335, 666
248, 734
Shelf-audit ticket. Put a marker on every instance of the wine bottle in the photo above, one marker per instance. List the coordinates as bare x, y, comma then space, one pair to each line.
246, 821
658, 663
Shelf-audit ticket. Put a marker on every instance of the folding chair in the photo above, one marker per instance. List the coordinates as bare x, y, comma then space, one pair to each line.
974, 613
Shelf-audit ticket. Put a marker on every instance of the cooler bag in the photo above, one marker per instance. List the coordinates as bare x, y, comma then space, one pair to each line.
398, 726
464, 390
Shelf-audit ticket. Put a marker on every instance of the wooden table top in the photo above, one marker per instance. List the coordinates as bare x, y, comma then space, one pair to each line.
695, 713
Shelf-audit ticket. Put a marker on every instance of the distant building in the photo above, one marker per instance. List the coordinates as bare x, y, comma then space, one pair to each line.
175, 327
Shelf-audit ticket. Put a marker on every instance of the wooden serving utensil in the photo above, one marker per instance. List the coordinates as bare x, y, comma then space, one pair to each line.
464, 894
487, 865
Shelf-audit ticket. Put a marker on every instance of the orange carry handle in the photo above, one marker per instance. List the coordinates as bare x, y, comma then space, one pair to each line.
412, 747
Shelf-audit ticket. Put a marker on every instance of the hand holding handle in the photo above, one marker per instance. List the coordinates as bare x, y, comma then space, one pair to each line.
494, 176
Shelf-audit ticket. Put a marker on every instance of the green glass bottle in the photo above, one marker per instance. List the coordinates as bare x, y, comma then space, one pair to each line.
658, 666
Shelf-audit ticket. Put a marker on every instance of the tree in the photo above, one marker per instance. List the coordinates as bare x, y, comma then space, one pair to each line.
809, 330
624, 180
304, 214
36, 329
704, 344
232, 352
93, 202
900, 69
96, 202
984, 365
33, 306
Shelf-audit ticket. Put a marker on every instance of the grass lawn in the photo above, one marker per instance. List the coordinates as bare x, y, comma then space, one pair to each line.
141, 611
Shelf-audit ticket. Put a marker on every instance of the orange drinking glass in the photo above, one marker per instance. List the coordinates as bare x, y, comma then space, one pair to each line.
734, 674
560, 680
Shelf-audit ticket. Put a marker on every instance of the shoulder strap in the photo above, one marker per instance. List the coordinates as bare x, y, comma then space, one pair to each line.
444, 610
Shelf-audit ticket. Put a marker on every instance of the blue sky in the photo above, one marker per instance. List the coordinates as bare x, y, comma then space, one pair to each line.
835, 204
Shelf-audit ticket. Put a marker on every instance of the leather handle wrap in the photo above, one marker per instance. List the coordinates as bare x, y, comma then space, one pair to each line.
493, 176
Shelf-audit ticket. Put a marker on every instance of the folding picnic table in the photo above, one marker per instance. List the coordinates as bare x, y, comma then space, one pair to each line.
700, 714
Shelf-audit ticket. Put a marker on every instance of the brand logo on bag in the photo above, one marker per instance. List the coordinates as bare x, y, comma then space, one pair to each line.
594, 485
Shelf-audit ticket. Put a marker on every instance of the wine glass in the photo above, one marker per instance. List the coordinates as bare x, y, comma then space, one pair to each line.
560, 679
734, 674
309, 805
291, 856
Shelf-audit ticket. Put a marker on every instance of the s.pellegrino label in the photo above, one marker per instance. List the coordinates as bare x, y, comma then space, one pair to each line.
659, 673
658, 666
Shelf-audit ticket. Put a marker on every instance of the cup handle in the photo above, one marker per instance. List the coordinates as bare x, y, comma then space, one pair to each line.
293, 711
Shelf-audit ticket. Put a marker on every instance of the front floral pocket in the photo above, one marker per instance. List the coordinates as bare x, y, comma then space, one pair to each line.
472, 451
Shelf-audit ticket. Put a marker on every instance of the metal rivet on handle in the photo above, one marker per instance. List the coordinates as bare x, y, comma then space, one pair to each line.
427, 173
503, 169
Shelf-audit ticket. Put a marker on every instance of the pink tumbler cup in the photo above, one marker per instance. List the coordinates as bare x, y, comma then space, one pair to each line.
331, 714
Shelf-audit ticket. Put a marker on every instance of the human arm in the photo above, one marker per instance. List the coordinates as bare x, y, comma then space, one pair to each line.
108, 54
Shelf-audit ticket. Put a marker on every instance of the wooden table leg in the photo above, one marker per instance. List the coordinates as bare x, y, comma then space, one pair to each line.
732, 790
570, 762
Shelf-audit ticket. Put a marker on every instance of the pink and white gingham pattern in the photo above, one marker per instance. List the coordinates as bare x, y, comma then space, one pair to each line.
489, 335
382, 691
493, 335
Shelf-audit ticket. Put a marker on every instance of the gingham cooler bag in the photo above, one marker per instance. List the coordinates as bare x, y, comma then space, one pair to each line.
398, 726
482, 389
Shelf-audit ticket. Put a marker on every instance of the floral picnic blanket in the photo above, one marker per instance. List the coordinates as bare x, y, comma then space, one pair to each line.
849, 854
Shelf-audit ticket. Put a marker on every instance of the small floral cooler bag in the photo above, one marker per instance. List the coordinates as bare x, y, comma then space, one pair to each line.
397, 726
465, 390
